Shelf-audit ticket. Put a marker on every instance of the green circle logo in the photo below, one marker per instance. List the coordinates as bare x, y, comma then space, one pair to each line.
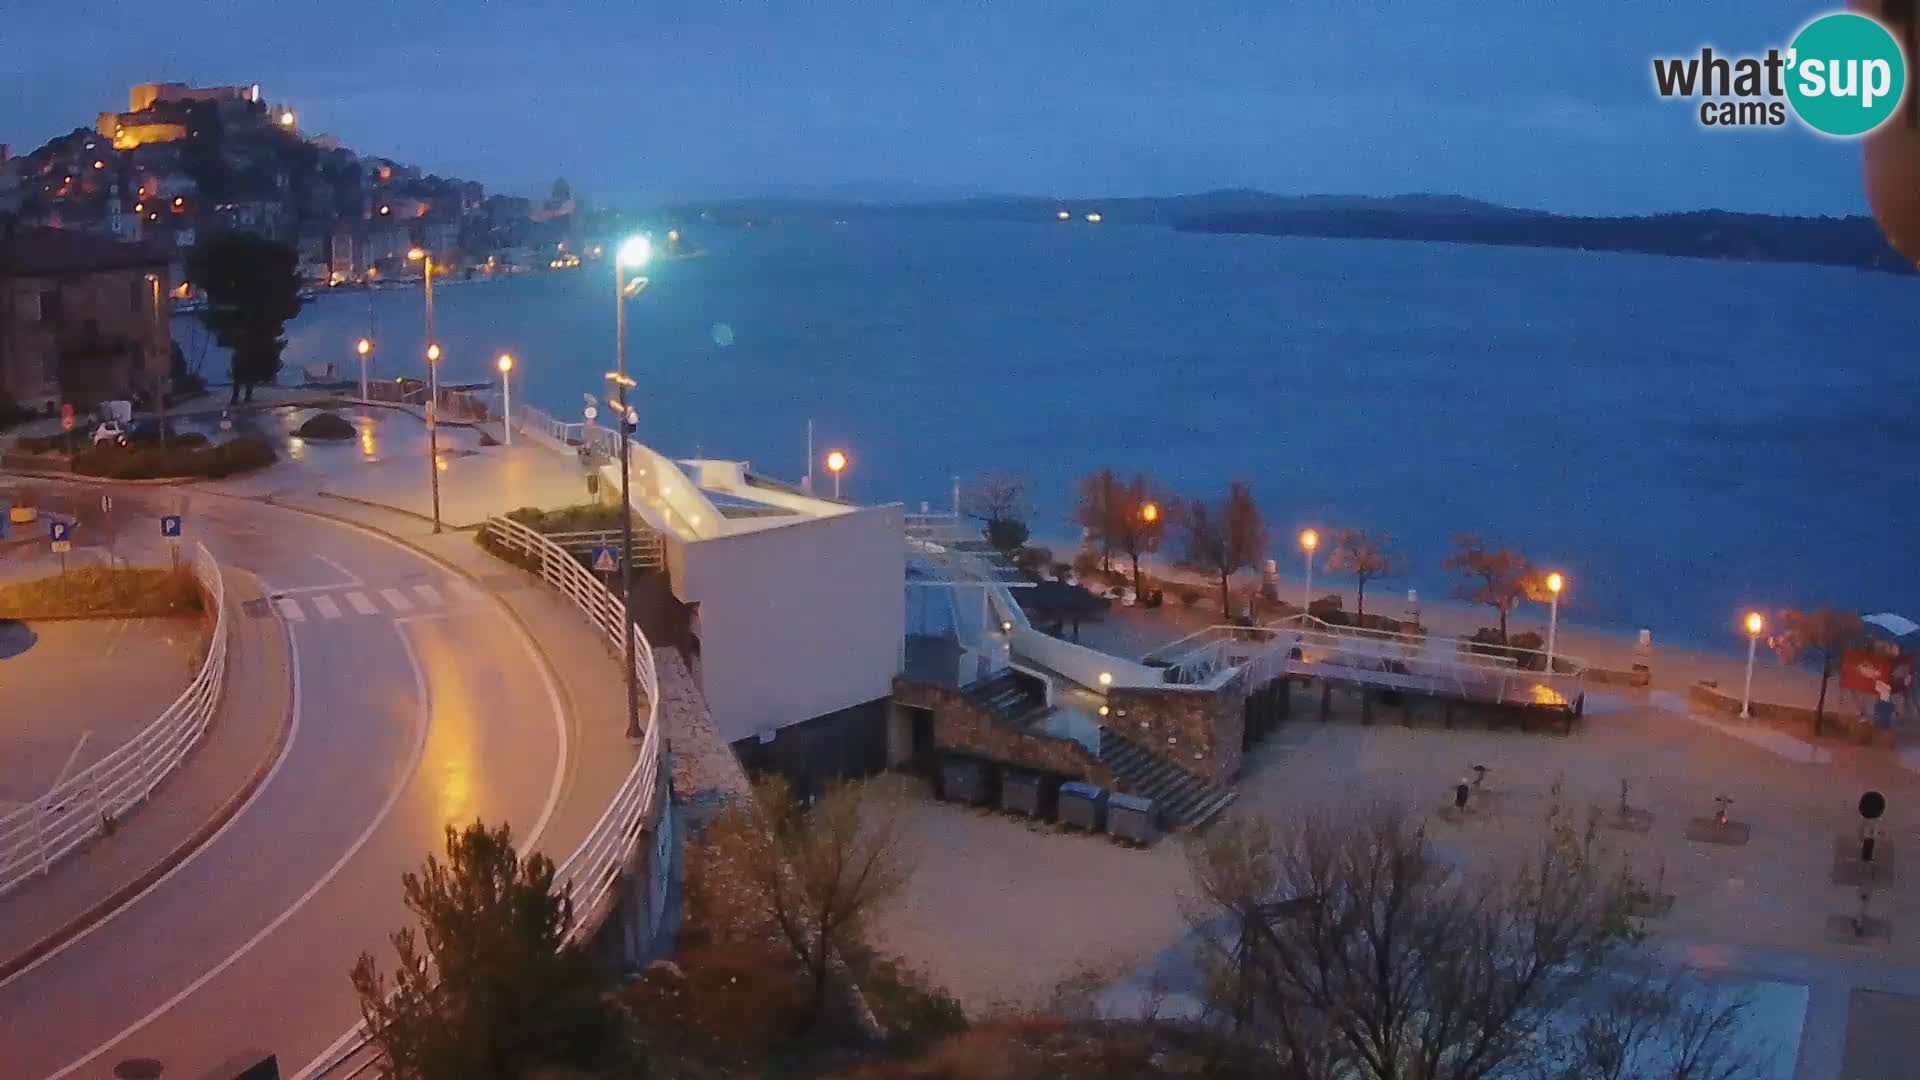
1846, 74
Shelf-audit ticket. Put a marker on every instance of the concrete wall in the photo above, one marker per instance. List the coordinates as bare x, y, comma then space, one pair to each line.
101, 338
795, 621
960, 724
1200, 730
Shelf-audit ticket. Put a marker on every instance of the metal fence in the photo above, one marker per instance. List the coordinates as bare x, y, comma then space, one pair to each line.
86, 804
592, 873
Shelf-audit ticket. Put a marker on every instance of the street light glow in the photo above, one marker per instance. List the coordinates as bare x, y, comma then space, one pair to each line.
505, 363
286, 118
413, 254
433, 354
1755, 623
363, 346
1555, 583
1309, 539
635, 251
1150, 513
836, 461
1106, 678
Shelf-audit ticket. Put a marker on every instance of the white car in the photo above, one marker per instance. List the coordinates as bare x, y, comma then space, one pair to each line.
112, 431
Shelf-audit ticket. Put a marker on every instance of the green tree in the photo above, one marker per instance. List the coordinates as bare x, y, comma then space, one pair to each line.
252, 286
1098, 513
487, 988
1825, 635
1140, 521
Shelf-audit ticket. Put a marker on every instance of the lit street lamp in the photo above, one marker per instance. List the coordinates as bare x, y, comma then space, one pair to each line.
1309, 540
836, 464
433, 427
505, 364
1554, 584
1755, 624
633, 251
365, 348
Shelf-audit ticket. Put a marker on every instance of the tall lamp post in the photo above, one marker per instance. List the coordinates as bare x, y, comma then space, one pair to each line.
1309, 541
1150, 516
505, 364
836, 464
1554, 584
1755, 624
433, 382
633, 251
364, 347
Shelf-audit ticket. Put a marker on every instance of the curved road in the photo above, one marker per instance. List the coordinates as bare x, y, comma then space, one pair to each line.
417, 702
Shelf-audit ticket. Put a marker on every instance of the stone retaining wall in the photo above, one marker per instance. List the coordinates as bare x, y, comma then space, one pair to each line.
1198, 730
961, 724
1793, 720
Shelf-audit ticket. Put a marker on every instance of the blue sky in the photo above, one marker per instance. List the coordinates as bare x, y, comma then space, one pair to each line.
1536, 104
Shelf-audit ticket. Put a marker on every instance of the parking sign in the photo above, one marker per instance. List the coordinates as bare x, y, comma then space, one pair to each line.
170, 525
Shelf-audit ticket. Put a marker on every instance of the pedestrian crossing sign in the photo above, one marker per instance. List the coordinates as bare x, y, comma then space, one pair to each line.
605, 559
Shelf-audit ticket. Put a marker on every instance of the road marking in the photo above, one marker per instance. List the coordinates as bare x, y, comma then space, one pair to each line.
344, 572
393, 799
430, 594
396, 599
289, 609
293, 733
68, 767
326, 607
361, 604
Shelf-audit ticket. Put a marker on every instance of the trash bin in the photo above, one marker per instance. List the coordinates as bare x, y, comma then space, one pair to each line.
1083, 806
1131, 818
965, 780
1033, 794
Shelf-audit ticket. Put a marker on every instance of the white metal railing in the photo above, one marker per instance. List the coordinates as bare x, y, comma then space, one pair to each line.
589, 875
84, 805
528, 418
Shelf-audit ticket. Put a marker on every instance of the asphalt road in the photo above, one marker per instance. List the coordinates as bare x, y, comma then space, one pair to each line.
417, 703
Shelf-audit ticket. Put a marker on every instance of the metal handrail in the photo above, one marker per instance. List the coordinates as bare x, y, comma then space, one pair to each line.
86, 804
588, 876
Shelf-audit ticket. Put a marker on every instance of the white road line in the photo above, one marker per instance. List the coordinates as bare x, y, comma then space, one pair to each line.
393, 798
344, 572
361, 604
68, 767
326, 607
430, 594
396, 599
293, 733
290, 609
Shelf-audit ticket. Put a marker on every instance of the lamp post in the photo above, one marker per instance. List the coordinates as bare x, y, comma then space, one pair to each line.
836, 464
420, 256
1149, 516
364, 347
633, 251
1309, 541
433, 429
1554, 584
505, 364
1755, 624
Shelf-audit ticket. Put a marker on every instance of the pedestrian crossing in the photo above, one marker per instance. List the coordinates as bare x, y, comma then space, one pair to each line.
350, 603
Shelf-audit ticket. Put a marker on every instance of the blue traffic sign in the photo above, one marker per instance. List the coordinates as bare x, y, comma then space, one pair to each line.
170, 525
606, 559
57, 531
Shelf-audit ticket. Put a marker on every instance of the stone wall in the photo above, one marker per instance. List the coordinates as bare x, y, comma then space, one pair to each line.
1613, 677
1196, 729
1790, 719
961, 725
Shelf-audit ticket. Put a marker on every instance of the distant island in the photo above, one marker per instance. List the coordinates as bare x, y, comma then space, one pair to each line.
1705, 234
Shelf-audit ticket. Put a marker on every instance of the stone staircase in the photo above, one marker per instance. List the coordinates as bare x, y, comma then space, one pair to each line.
1010, 700
1183, 799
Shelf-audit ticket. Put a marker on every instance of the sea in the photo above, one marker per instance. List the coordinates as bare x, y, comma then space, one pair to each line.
1682, 439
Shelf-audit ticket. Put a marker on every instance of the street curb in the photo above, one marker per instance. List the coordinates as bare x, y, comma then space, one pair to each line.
81, 923
81, 478
371, 505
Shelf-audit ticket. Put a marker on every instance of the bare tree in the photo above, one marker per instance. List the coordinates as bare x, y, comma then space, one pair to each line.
1494, 576
1345, 946
1366, 556
1650, 1026
1824, 634
998, 500
1226, 536
814, 874
1140, 522
1098, 514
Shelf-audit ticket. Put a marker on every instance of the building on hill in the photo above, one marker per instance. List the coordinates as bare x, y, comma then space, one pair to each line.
83, 318
146, 95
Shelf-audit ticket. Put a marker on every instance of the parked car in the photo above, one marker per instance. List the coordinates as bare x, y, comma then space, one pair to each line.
113, 431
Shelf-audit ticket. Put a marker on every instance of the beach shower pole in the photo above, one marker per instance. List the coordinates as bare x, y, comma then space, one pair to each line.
1755, 624
1309, 540
1554, 584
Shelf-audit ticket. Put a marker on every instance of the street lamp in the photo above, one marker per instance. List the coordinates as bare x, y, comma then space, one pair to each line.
365, 348
1554, 584
426, 260
505, 364
836, 464
1755, 624
433, 427
622, 384
1309, 541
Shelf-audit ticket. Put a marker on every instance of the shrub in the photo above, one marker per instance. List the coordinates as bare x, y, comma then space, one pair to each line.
153, 462
1328, 607
1060, 570
1189, 596
47, 444
12, 412
327, 426
96, 591
580, 517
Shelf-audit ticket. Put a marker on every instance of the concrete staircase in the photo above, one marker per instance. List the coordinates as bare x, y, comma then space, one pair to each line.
1183, 799
1010, 700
